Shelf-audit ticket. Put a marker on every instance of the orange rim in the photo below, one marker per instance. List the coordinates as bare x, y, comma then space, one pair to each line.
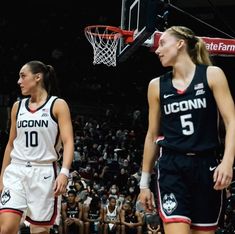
116, 32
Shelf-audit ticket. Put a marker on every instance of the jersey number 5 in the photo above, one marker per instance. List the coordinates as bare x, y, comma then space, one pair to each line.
187, 124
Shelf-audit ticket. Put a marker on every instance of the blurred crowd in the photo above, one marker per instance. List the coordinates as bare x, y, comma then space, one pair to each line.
104, 179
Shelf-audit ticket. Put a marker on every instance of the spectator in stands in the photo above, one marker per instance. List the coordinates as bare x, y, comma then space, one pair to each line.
153, 223
113, 191
77, 158
131, 219
121, 179
86, 173
72, 214
132, 189
93, 216
81, 188
111, 216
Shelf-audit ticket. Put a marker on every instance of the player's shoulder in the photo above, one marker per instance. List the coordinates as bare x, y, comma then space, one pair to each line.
154, 86
215, 75
60, 102
16, 105
154, 82
155, 79
214, 70
60, 107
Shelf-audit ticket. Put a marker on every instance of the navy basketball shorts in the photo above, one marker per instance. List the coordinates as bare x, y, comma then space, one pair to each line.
185, 190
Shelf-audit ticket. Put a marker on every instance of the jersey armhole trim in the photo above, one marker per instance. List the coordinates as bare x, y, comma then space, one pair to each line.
205, 78
51, 110
18, 108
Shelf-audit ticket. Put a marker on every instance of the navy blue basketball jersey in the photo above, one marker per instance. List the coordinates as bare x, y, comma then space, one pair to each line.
189, 119
73, 210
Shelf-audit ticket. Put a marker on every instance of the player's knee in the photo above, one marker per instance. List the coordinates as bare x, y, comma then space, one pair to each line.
39, 229
80, 223
87, 224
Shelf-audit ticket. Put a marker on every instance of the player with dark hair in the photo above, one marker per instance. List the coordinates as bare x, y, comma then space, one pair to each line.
183, 106
93, 216
131, 219
72, 214
111, 216
40, 126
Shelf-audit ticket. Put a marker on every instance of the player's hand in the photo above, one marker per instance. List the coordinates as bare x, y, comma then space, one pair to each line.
223, 175
146, 199
60, 184
131, 225
69, 221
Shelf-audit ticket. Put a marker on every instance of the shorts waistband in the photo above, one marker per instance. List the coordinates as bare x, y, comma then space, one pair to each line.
205, 153
30, 164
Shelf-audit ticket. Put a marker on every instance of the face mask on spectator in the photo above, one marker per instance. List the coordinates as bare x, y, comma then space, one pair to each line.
88, 168
121, 198
125, 163
96, 187
132, 182
113, 191
122, 171
131, 189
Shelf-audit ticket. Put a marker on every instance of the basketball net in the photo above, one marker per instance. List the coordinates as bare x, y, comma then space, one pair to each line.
104, 44
104, 40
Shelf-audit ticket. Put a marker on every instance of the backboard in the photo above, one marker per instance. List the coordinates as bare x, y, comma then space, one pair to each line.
139, 16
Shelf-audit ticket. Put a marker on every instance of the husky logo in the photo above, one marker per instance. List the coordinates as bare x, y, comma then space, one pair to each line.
169, 203
5, 197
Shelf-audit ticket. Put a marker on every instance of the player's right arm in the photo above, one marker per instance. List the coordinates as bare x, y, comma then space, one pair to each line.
85, 214
9, 146
150, 147
105, 214
64, 211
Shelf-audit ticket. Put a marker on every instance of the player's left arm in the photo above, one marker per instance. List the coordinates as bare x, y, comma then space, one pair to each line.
139, 219
80, 210
101, 216
64, 211
62, 113
221, 91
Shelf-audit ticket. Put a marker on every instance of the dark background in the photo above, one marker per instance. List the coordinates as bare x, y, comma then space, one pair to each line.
53, 31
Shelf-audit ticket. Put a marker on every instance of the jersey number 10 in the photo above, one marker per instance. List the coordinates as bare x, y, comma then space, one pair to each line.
31, 139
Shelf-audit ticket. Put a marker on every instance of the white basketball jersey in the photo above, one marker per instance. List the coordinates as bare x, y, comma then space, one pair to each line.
37, 133
112, 215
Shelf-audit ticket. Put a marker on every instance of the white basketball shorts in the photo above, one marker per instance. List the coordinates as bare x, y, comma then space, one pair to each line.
28, 188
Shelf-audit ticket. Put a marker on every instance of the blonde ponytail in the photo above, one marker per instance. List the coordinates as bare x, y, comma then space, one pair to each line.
201, 54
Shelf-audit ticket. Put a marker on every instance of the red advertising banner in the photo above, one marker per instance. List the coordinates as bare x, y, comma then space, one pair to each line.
216, 46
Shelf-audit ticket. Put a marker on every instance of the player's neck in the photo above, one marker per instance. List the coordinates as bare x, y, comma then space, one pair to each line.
36, 101
184, 70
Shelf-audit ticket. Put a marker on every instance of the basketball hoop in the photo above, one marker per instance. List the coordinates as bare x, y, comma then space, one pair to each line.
104, 40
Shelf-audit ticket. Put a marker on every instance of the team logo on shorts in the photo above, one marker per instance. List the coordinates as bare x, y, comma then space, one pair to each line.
6, 196
169, 203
